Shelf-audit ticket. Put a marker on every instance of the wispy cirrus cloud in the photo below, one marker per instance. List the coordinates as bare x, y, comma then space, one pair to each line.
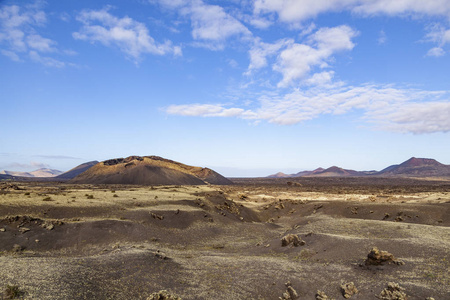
130, 36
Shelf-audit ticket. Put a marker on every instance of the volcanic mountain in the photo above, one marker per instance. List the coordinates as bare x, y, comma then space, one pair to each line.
72, 173
417, 167
148, 170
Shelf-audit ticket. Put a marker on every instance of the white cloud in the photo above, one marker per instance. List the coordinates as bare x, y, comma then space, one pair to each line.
211, 25
322, 78
260, 51
293, 11
436, 51
382, 38
297, 60
130, 36
204, 110
418, 118
18, 34
211, 22
46, 61
15, 22
392, 8
41, 44
12, 55
389, 107
439, 35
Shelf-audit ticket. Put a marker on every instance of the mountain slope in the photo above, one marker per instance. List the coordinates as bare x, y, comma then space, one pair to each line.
148, 170
72, 173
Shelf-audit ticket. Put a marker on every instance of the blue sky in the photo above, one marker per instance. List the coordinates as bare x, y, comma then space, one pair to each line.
247, 88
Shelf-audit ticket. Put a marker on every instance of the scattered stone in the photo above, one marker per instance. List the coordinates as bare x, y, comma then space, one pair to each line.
161, 255
2, 229
163, 295
24, 229
155, 216
399, 219
379, 257
49, 226
354, 210
393, 292
386, 216
429, 298
322, 296
290, 293
293, 239
36, 241
348, 289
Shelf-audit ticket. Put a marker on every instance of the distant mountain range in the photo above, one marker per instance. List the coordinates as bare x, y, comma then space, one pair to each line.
43, 172
413, 167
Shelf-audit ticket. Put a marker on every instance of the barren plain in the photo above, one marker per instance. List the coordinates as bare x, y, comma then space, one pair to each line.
80, 241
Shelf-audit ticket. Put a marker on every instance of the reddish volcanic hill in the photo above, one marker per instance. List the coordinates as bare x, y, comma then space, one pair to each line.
417, 167
148, 170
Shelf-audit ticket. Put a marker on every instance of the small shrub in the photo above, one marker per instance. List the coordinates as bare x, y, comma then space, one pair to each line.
90, 196
115, 195
47, 199
12, 292
27, 194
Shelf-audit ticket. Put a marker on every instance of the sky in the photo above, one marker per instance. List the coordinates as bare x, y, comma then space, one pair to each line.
248, 88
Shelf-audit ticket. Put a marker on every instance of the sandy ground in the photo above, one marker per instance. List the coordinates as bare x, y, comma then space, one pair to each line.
61, 241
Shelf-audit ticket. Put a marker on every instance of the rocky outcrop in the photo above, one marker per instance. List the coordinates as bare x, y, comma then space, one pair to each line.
293, 239
393, 292
348, 289
379, 257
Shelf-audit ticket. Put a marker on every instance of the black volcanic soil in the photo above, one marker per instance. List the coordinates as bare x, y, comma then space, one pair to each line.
72, 241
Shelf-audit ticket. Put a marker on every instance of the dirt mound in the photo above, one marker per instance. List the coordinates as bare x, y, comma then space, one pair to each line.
148, 170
